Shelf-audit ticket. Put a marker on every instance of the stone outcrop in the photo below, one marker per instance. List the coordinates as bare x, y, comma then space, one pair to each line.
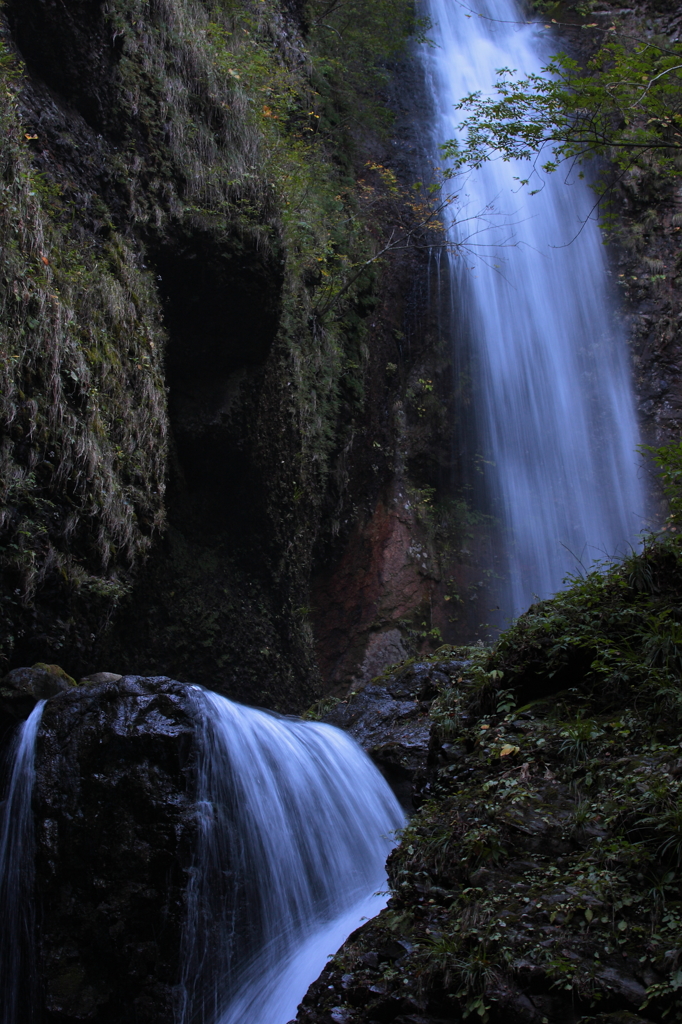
389, 718
115, 825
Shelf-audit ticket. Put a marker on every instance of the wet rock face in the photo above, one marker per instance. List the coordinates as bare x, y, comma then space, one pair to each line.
389, 718
114, 828
83, 66
520, 892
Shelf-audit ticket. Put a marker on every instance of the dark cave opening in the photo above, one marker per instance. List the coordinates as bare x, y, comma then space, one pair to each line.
213, 613
222, 307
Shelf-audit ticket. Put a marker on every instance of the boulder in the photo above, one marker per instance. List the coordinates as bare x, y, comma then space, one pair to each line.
115, 822
22, 688
99, 677
389, 718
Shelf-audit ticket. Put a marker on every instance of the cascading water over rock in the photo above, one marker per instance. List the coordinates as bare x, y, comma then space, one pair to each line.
194, 859
295, 827
553, 423
17, 981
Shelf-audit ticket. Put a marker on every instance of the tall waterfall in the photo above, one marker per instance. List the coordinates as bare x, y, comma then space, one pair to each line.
17, 980
295, 828
553, 424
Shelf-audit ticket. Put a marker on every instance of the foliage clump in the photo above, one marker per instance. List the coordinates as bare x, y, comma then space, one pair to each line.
543, 868
626, 105
617, 96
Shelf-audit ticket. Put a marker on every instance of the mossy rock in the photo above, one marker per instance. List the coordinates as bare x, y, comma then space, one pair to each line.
57, 671
41, 681
540, 879
22, 688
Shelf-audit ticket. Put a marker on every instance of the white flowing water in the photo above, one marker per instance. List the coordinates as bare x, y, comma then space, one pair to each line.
554, 427
295, 829
17, 918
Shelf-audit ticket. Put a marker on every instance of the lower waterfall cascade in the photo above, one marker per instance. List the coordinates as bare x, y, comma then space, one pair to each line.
17, 988
553, 430
295, 827
294, 824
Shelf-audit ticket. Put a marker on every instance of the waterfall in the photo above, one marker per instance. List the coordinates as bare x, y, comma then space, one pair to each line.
17, 869
295, 826
553, 430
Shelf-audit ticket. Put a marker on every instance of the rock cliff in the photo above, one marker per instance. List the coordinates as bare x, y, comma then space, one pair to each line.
201, 357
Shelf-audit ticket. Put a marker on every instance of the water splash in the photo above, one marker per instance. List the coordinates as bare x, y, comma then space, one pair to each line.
553, 429
17, 872
295, 827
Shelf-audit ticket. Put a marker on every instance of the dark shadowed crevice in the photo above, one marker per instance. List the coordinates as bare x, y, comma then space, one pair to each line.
214, 612
222, 307
73, 49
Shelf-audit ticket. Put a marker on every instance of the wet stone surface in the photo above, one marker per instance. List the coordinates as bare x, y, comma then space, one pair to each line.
114, 831
389, 718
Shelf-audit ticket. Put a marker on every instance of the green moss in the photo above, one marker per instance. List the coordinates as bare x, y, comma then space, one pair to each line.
56, 670
221, 122
547, 854
68, 512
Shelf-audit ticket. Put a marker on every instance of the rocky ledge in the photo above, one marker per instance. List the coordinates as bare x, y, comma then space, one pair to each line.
389, 717
539, 880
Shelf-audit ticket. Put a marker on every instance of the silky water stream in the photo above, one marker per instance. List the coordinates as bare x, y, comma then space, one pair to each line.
296, 824
552, 432
17, 969
294, 827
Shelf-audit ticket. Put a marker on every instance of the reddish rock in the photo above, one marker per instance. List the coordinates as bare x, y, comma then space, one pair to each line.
385, 578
